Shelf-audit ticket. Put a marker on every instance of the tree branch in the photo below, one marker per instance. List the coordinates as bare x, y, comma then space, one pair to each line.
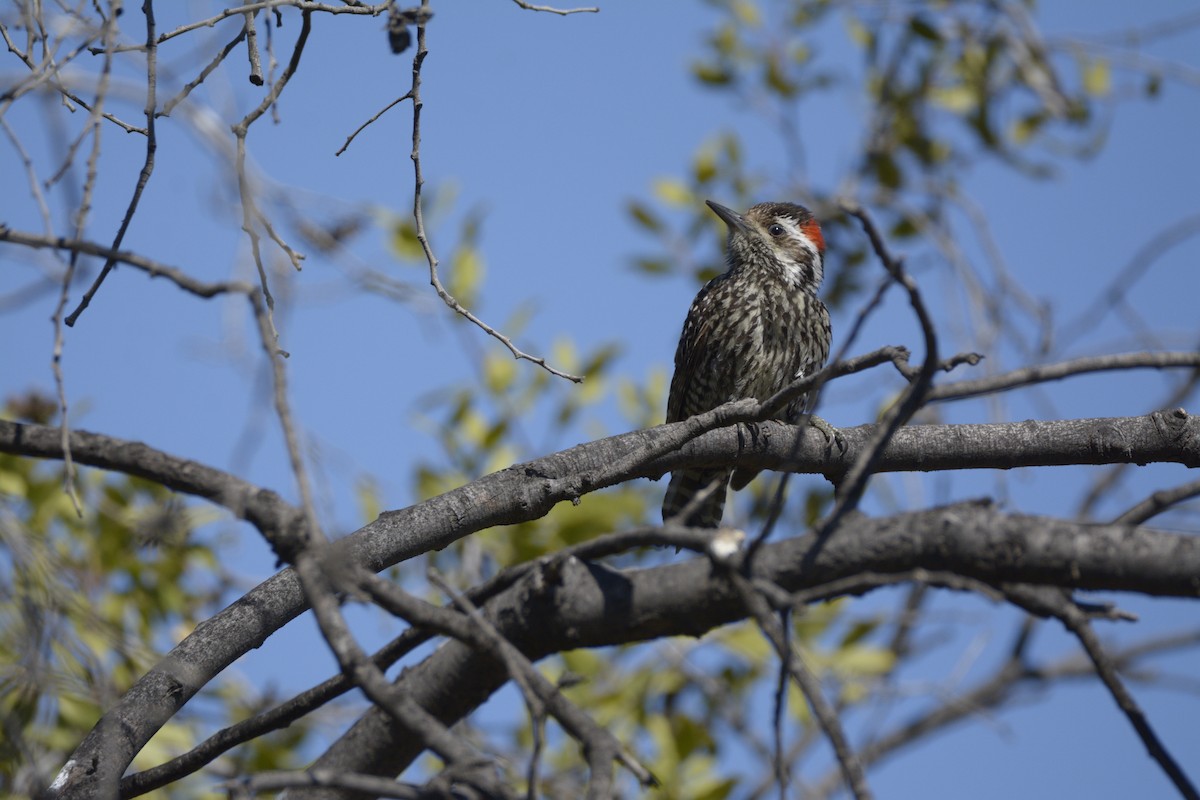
589, 605
1045, 373
419, 219
528, 491
1052, 602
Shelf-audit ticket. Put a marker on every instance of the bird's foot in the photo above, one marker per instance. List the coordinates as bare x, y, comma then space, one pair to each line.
833, 437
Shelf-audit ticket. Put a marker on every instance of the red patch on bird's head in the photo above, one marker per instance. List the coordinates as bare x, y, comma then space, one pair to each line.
813, 231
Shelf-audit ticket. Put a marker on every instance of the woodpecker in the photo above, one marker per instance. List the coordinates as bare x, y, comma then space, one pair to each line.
750, 332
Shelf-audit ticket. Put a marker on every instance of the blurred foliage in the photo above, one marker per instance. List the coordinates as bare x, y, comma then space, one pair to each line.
936, 89
88, 602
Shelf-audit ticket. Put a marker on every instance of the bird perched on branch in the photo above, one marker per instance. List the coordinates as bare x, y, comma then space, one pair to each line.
750, 332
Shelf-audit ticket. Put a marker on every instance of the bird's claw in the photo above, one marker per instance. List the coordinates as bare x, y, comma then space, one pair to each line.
833, 437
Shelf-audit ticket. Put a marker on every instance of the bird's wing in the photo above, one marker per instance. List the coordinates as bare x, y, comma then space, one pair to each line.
691, 355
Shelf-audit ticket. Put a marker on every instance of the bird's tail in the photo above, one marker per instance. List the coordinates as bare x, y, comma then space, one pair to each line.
686, 484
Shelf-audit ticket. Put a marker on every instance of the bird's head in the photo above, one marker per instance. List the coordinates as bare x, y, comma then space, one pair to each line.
776, 236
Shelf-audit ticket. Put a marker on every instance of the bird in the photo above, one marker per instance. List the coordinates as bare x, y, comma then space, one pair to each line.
751, 331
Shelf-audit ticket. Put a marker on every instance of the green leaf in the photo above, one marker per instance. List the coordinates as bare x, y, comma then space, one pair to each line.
959, 99
713, 789
747, 13
859, 631
644, 216
712, 74
652, 266
1024, 129
499, 372
1153, 84
925, 29
704, 166
12, 484
404, 241
905, 228
860, 34
466, 275
674, 193
887, 171
777, 80
1097, 77
863, 660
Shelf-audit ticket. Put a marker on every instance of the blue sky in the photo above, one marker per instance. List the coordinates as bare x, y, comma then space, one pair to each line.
550, 125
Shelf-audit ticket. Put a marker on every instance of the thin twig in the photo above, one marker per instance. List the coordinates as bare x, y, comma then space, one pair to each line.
853, 485
356, 783
560, 11
254, 7
152, 268
147, 164
1176, 233
1159, 502
994, 690
600, 746
782, 773
35, 188
406, 96
169, 106
810, 687
251, 30
1059, 605
47, 72
1029, 376
81, 217
419, 217
250, 211
272, 719
395, 701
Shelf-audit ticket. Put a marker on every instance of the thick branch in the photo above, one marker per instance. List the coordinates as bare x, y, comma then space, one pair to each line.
274, 517
588, 605
528, 491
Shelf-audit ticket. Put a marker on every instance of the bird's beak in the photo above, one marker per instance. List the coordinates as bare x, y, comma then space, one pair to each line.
734, 220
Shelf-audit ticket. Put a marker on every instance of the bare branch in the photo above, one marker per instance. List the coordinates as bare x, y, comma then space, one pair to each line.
254, 7
560, 11
147, 164
1052, 602
528, 491
992, 692
596, 606
1029, 376
1103, 485
80, 219
251, 31
1159, 502
1114, 294
406, 713
419, 218
275, 518
365, 784
250, 213
854, 482
406, 96
152, 268
204, 73
810, 687
600, 746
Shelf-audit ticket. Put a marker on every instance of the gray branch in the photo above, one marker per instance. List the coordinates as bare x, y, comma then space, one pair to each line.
590, 605
528, 491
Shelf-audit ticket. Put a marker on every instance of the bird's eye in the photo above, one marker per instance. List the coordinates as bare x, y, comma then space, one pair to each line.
775, 230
